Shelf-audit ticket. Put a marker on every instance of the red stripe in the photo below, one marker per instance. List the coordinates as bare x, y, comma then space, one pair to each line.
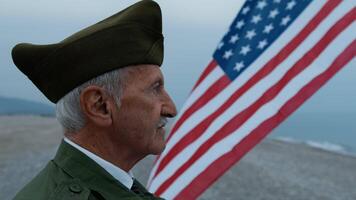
210, 93
202, 100
205, 73
269, 67
270, 94
219, 166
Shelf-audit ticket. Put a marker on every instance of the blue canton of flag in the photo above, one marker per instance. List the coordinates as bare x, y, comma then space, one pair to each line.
255, 28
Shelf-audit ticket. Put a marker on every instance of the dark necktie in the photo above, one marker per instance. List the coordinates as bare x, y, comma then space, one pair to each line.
141, 191
136, 188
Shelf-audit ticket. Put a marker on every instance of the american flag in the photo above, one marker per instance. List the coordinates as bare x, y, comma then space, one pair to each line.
275, 56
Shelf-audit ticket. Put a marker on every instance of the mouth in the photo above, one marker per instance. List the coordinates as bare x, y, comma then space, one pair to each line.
162, 123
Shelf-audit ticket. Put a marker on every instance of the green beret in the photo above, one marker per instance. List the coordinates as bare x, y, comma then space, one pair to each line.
130, 37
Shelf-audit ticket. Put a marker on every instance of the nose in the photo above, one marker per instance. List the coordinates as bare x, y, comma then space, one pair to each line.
169, 108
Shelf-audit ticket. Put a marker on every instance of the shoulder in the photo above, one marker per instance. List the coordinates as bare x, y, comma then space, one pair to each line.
71, 189
52, 183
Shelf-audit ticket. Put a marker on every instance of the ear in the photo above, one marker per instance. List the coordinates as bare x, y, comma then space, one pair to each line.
96, 105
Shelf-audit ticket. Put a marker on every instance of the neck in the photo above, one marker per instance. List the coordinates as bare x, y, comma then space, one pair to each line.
101, 144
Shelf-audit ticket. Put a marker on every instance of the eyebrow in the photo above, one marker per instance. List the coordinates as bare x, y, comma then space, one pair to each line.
158, 79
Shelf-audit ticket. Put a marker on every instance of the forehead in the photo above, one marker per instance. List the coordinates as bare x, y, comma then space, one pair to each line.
143, 74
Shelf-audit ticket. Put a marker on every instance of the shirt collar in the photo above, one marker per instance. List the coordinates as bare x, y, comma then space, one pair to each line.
123, 177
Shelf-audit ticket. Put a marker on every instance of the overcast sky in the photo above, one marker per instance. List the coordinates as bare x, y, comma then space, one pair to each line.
192, 30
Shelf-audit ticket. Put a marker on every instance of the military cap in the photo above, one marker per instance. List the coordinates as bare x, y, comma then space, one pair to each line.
130, 37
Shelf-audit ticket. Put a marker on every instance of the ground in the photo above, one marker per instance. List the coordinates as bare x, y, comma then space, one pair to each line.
274, 170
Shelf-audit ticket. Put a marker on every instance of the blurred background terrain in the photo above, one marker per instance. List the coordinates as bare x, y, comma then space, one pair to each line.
309, 156
274, 170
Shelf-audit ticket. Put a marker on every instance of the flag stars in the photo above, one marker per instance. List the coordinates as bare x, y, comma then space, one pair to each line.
285, 20
234, 38
245, 50
245, 10
240, 24
261, 5
250, 34
239, 66
273, 13
262, 44
256, 19
268, 28
291, 5
227, 54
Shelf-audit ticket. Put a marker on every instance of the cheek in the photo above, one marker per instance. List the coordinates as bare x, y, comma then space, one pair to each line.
139, 117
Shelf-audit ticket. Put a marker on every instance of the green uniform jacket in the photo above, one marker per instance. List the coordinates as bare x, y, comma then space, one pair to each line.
73, 175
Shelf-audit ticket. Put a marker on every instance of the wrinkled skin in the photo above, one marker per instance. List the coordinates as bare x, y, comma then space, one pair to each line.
144, 101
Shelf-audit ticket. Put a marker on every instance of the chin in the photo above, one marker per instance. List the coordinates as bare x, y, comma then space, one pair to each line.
158, 149
159, 143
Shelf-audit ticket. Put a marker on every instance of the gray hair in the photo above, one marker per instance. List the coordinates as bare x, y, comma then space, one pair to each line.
68, 110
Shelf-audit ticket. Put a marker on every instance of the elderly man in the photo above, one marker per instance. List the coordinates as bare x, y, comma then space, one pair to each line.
110, 99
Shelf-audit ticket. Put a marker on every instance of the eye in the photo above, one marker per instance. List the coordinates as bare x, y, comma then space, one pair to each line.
157, 86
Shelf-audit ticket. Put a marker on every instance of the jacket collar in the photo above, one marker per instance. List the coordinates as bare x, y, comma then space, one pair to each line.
122, 176
79, 166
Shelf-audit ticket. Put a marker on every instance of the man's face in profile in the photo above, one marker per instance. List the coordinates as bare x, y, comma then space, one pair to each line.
139, 122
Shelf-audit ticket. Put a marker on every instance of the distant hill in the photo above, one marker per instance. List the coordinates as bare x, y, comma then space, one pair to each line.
16, 106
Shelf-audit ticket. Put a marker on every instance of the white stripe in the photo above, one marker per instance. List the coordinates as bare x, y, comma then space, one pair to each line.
217, 102
265, 112
238, 105
213, 76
